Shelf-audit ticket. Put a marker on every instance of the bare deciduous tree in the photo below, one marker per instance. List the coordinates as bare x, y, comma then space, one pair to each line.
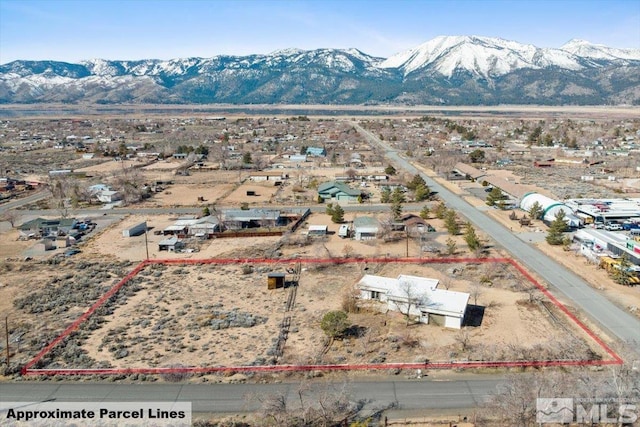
463, 338
412, 297
11, 216
475, 290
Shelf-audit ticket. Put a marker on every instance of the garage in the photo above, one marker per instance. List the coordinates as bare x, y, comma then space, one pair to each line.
437, 319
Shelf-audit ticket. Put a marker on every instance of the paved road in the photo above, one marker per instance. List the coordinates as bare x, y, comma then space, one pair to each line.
14, 204
618, 322
234, 398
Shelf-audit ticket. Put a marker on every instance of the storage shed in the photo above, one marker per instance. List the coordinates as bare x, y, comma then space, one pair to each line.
171, 244
136, 230
275, 280
365, 228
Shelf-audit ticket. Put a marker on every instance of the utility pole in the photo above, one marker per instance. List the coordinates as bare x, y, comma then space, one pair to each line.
406, 229
146, 242
6, 331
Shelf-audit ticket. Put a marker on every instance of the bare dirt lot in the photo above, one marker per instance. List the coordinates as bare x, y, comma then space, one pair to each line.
212, 315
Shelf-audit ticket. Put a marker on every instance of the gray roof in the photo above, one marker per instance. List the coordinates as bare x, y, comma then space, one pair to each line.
251, 215
168, 242
365, 221
333, 187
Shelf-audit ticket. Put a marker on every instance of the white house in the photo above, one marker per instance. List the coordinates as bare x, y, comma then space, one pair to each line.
262, 176
108, 196
428, 303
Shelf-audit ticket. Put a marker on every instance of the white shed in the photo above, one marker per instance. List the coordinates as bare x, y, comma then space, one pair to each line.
318, 230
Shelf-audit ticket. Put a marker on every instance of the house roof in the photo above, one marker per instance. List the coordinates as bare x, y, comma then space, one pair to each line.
175, 227
209, 219
267, 173
316, 151
251, 215
42, 222
318, 227
333, 187
365, 221
171, 241
424, 290
469, 170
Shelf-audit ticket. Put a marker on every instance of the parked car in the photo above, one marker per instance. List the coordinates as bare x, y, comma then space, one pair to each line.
71, 252
613, 227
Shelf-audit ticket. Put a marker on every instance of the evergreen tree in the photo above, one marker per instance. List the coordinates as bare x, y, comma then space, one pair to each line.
422, 193
206, 211
397, 198
246, 158
390, 170
451, 246
556, 228
534, 137
441, 210
536, 211
494, 196
335, 323
385, 195
416, 181
425, 212
329, 209
451, 222
396, 210
470, 236
476, 156
337, 214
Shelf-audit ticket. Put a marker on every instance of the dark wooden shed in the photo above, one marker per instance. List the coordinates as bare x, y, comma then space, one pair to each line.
275, 280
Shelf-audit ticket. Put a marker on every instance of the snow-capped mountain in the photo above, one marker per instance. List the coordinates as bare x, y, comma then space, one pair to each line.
447, 69
584, 49
482, 56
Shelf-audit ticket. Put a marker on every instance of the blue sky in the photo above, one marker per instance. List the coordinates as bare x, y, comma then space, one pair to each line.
138, 29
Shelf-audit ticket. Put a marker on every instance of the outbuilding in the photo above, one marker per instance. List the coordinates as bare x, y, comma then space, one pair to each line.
318, 230
365, 228
136, 230
275, 280
170, 244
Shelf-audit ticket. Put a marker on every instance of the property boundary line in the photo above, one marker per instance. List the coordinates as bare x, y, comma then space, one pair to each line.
28, 369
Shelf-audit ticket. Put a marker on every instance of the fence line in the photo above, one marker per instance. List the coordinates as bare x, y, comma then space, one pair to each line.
28, 370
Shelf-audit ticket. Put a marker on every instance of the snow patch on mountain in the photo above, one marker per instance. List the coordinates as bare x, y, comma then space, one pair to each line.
586, 49
482, 56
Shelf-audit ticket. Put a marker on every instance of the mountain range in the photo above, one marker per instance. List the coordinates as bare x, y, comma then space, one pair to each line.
448, 70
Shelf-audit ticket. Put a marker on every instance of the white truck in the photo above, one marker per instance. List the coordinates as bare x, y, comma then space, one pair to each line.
343, 231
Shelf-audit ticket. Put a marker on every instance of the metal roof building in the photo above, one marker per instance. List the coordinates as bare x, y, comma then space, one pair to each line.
550, 208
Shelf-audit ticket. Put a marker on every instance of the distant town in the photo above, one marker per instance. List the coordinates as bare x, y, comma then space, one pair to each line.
245, 248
